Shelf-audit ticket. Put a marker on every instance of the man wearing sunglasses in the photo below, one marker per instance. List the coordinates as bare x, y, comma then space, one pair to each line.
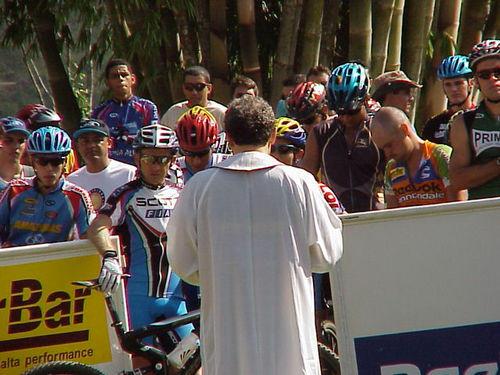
342, 147
101, 175
475, 134
139, 212
197, 87
250, 231
47, 208
124, 113
13, 136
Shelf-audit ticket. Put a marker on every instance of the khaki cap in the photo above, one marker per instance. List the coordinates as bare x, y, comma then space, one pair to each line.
390, 81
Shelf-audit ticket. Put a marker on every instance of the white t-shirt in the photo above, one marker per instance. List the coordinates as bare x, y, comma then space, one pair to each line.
101, 184
175, 111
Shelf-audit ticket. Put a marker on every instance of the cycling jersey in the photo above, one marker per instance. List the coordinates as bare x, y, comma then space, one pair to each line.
124, 119
484, 133
436, 128
140, 214
26, 171
28, 217
349, 170
428, 185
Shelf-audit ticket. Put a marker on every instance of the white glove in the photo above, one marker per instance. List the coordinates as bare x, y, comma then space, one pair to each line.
111, 272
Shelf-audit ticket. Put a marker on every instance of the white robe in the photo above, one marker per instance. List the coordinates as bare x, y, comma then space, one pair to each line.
250, 231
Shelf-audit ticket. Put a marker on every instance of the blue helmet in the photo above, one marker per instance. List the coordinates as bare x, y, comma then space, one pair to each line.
49, 140
13, 124
348, 86
454, 66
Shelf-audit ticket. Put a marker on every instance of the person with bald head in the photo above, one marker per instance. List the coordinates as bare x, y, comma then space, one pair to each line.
417, 171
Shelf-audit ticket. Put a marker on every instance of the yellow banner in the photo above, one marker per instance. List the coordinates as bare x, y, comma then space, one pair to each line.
43, 317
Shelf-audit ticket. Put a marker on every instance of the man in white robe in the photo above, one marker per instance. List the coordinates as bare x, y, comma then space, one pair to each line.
250, 231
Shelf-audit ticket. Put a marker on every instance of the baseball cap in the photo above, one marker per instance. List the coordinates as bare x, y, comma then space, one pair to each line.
91, 126
13, 124
390, 81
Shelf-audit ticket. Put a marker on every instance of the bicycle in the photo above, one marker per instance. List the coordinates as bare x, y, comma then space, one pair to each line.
130, 341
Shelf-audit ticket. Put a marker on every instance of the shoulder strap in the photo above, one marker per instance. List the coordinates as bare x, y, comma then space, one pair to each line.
469, 118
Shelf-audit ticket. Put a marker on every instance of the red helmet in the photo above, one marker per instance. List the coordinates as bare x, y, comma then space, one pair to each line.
197, 129
36, 116
306, 99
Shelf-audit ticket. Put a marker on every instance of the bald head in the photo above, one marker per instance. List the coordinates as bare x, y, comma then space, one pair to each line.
389, 120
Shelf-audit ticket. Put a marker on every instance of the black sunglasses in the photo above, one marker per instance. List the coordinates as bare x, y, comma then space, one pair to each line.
283, 149
199, 154
151, 159
487, 74
195, 86
55, 162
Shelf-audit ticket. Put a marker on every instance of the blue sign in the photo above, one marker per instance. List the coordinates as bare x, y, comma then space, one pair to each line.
465, 350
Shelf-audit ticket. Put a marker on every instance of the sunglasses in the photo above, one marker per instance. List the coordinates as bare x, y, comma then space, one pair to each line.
283, 149
195, 86
487, 74
198, 154
349, 112
161, 160
55, 162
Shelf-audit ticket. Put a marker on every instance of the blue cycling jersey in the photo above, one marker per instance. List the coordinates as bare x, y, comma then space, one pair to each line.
140, 214
124, 119
28, 217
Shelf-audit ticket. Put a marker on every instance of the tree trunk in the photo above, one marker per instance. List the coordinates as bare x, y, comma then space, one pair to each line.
285, 50
248, 41
382, 18
474, 16
395, 38
218, 67
203, 17
360, 30
188, 40
312, 21
492, 29
330, 26
66, 104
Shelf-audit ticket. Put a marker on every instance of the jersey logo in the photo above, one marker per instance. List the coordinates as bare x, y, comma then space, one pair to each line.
30, 200
426, 172
396, 173
484, 140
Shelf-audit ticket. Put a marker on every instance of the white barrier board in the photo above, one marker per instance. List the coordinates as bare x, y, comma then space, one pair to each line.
418, 292
43, 317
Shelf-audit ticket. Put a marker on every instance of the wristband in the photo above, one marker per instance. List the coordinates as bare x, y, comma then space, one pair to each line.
109, 254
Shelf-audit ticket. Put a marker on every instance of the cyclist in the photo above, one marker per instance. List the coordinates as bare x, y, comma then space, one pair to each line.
243, 85
46, 208
456, 76
124, 113
342, 147
101, 175
13, 136
197, 133
139, 212
474, 135
307, 104
36, 116
417, 171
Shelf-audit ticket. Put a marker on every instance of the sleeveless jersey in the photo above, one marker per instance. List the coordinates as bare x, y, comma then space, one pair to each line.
28, 217
140, 215
349, 170
124, 119
484, 135
436, 128
429, 184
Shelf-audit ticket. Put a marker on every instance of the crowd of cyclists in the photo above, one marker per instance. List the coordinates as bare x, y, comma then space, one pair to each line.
356, 140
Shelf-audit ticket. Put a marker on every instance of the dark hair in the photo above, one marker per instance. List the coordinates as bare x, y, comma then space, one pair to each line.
249, 120
317, 70
243, 81
116, 62
197, 71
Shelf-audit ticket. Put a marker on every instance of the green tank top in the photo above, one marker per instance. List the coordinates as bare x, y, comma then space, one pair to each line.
485, 142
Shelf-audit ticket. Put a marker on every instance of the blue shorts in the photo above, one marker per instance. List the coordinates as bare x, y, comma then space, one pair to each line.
143, 310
